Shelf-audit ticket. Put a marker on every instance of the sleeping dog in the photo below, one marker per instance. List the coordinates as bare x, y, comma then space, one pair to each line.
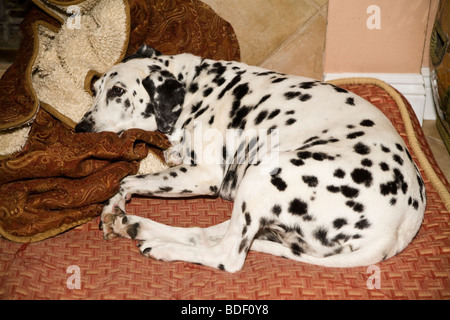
317, 174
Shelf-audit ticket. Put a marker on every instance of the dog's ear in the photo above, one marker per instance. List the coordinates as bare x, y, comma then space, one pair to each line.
166, 102
147, 52
143, 52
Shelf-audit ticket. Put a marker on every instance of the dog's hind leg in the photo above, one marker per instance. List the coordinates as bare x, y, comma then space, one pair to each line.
230, 251
223, 246
227, 254
140, 228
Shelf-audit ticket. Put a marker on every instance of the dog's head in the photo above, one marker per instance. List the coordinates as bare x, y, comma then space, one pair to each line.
140, 92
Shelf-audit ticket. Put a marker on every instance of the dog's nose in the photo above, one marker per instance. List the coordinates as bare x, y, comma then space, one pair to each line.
84, 126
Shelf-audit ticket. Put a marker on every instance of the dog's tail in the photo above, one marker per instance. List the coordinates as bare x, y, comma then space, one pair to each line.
367, 255
362, 257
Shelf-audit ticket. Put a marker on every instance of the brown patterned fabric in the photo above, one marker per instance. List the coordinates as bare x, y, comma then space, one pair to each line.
115, 269
175, 26
60, 179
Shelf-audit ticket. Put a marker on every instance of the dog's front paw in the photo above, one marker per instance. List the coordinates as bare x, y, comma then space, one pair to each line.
173, 157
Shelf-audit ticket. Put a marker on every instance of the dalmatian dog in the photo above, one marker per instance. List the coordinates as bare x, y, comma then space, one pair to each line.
317, 174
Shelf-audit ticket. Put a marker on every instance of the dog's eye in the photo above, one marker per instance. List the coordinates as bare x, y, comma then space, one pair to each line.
118, 91
115, 92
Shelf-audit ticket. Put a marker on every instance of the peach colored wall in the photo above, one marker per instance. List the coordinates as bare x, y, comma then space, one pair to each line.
434, 6
357, 41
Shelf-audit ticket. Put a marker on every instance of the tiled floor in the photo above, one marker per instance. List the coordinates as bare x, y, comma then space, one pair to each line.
282, 35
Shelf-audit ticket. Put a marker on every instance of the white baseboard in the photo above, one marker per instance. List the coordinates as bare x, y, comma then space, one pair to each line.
415, 87
430, 111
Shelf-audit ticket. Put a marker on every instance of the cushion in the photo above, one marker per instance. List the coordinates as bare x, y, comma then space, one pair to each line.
115, 269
